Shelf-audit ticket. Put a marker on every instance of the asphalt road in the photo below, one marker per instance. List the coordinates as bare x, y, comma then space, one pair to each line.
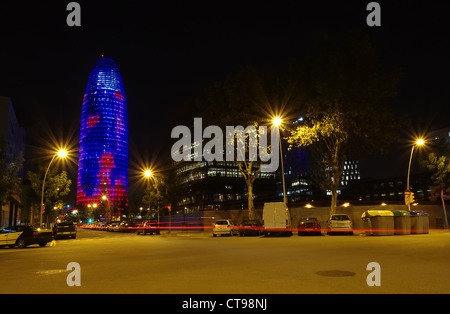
199, 263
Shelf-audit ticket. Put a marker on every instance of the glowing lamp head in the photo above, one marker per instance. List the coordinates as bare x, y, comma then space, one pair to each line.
147, 173
420, 142
62, 153
276, 121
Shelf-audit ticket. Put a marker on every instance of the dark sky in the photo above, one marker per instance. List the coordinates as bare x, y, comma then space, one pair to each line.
170, 51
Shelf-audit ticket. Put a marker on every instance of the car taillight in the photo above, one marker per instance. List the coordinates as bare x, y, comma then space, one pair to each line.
35, 233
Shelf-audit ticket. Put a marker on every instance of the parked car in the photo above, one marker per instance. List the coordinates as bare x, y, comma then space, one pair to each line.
340, 224
149, 227
224, 227
101, 226
22, 236
250, 227
113, 226
64, 230
309, 226
127, 226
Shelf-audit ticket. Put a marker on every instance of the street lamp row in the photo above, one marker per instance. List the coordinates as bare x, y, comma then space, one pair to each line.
277, 121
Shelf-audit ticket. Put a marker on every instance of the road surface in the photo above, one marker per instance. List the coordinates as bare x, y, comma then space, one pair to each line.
199, 263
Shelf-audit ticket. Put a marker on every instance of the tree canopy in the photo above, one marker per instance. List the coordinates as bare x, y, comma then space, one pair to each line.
342, 95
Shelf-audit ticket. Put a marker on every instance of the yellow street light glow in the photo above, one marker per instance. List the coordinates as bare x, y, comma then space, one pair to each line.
147, 173
104, 197
420, 142
62, 153
276, 121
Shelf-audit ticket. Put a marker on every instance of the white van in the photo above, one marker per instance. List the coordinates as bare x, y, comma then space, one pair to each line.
276, 219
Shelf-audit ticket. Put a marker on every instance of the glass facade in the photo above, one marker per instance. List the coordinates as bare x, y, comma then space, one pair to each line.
103, 150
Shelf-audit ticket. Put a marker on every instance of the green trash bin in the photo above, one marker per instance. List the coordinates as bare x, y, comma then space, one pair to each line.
420, 222
380, 222
402, 221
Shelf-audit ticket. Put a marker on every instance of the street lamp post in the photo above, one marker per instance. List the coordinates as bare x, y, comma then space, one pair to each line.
108, 207
61, 154
419, 142
277, 122
148, 174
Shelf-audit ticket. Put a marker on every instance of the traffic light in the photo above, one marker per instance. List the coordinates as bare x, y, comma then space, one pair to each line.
407, 198
411, 198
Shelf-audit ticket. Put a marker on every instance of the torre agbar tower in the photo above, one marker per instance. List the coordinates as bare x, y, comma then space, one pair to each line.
103, 150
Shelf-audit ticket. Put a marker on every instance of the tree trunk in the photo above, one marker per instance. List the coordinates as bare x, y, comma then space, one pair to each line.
251, 208
333, 201
31, 220
249, 179
335, 181
445, 210
336, 171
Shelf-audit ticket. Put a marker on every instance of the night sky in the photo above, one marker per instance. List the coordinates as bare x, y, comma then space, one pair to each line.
169, 52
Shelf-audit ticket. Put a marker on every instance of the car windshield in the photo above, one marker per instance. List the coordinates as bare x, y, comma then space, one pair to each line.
340, 217
222, 222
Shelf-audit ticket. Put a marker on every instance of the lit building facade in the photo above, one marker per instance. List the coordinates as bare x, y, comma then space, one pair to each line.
12, 145
217, 185
103, 149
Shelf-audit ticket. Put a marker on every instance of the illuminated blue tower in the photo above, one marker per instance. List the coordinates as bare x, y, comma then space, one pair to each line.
103, 150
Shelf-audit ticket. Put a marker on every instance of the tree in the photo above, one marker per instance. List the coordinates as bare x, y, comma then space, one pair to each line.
57, 188
439, 165
246, 99
154, 192
342, 93
330, 138
10, 181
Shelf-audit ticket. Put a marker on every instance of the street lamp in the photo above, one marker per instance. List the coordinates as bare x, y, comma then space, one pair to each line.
418, 142
62, 153
148, 174
277, 122
108, 207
